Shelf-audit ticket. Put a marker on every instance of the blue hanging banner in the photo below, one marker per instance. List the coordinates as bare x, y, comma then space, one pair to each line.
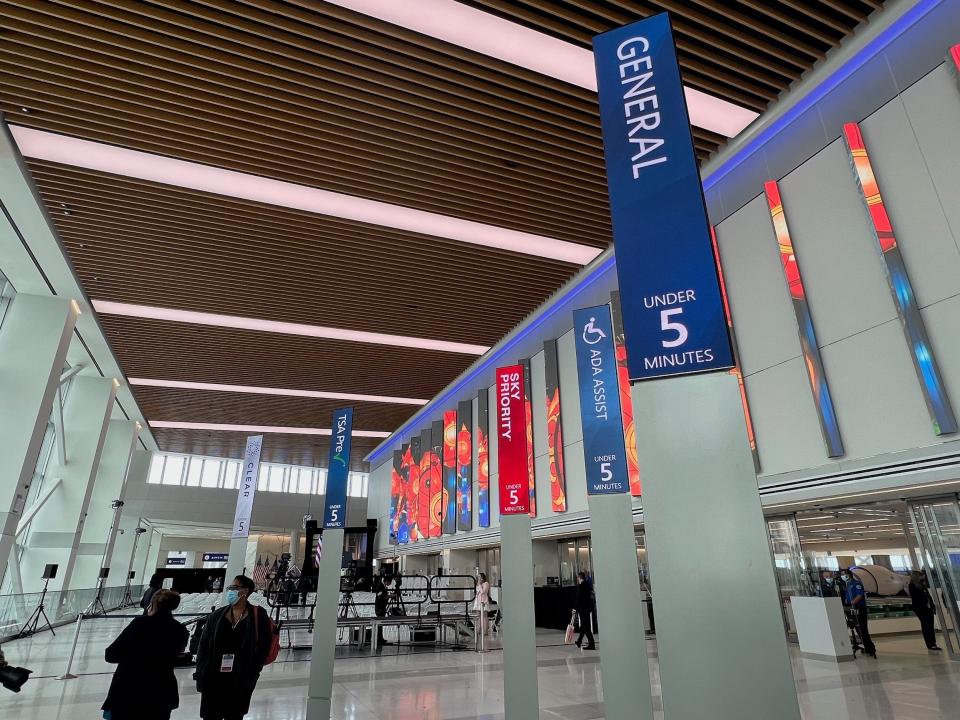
604, 452
672, 307
338, 470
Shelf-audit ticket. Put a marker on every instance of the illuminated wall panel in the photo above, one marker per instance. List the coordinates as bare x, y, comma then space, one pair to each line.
450, 471
408, 506
626, 399
428, 461
558, 472
483, 458
808, 336
418, 529
735, 371
528, 412
464, 465
914, 329
397, 500
438, 494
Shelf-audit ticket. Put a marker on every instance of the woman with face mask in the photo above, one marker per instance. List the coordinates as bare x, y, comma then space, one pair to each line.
233, 649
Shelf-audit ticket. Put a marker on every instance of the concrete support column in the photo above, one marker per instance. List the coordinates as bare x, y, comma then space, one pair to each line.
56, 530
123, 559
103, 519
295, 558
33, 348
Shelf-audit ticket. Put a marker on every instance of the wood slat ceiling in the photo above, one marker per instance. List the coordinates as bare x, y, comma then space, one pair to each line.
311, 93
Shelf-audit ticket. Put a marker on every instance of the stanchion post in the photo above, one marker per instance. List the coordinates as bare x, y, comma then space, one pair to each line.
67, 675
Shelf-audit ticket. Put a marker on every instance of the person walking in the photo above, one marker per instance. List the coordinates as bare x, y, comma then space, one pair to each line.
481, 602
584, 608
857, 599
144, 686
923, 608
381, 600
232, 652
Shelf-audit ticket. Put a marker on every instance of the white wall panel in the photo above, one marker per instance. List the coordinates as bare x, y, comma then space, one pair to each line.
845, 285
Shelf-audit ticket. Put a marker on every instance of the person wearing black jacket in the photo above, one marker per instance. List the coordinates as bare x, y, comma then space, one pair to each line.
233, 649
381, 600
156, 581
922, 605
144, 686
584, 609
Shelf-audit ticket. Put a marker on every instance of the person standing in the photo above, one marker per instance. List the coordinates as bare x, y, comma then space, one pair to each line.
481, 602
381, 599
857, 600
827, 586
144, 686
153, 587
233, 650
923, 608
584, 609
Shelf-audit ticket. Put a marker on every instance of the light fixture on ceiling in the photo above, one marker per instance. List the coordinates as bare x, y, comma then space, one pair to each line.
255, 390
43, 145
106, 307
485, 33
279, 429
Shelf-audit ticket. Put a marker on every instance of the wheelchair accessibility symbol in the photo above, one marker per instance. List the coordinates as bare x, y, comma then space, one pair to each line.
592, 334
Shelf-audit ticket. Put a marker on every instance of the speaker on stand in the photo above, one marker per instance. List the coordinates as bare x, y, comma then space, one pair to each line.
33, 622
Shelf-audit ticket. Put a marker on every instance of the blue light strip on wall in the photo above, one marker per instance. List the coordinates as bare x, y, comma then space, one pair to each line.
831, 82
560, 303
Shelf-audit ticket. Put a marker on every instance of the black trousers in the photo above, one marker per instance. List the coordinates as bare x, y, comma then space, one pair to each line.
926, 625
586, 628
868, 645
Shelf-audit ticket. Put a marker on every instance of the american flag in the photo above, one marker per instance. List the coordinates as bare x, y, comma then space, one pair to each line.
318, 551
260, 571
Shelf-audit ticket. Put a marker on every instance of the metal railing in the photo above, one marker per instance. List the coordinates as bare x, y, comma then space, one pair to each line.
60, 606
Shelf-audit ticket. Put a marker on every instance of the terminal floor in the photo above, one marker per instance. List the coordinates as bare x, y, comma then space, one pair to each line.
906, 683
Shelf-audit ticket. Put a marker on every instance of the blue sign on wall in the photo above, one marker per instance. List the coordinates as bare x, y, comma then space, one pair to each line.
216, 557
338, 469
603, 449
672, 308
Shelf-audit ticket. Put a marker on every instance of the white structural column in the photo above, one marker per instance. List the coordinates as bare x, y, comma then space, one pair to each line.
151, 557
34, 340
520, 691
320, 687
706, 534
103, 519
56, 530
122, 561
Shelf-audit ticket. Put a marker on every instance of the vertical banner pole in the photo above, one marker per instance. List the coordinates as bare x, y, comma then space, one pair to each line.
320, 687
249, 475
520, 694
729, 662
624, 666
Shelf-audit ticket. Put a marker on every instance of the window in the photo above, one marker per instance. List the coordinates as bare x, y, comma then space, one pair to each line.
173, 470
194, 469
210, 477
304, 482
321, 482
231, 474
156, 469
276, 476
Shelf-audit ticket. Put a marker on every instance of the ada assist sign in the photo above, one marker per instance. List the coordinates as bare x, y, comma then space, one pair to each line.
672, 307
338, 469
512, 442
603, 449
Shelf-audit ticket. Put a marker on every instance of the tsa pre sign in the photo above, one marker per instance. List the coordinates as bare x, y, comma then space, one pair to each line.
338, 469
512, 442
604, 453
673, 314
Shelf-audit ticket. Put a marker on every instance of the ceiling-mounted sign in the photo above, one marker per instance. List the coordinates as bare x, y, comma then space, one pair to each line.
604, 452
514, 483
338, 470
216, 557
176, 561
672, 307
248, 487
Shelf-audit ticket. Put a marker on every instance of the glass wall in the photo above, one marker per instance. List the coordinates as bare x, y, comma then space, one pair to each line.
576, 556
224, 473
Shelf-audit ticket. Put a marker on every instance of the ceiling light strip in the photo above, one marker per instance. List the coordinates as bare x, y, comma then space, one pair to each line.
174, 425
51, 147
283, 392
496, 37
106, 307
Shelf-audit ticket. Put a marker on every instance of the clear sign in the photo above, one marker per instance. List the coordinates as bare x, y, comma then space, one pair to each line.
672, 308
512, 442
248, 487
604, 453
338, 470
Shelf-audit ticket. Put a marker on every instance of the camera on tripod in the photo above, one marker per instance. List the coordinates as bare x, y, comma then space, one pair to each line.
348, 581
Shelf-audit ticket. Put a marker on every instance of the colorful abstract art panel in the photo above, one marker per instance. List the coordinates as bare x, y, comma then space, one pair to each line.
483, 458
626, 399
450, 472
438, 494
558, 471
464, 465
528, 413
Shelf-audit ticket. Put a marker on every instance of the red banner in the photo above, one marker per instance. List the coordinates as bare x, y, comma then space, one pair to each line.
512, 442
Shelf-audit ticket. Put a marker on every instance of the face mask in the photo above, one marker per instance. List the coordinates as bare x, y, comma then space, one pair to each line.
233, 596
845, 577
829, 581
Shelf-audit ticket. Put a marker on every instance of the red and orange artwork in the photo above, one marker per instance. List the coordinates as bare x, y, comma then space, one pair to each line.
528, 415
411, 476
483, 459
555, 449
626, 400
449, 472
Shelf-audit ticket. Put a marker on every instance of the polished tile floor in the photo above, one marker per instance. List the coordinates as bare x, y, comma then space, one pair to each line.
906, 683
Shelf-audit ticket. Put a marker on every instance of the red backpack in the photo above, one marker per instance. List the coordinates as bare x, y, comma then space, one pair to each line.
274, 650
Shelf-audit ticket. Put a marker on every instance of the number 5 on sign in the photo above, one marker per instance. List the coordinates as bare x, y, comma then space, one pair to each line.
679, 328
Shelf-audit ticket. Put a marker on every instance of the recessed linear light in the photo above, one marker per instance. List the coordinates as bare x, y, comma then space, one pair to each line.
260, 429
107, 307
254, 390
488, 34
52, 147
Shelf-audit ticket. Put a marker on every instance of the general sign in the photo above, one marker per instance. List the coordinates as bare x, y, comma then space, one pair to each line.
338, 469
